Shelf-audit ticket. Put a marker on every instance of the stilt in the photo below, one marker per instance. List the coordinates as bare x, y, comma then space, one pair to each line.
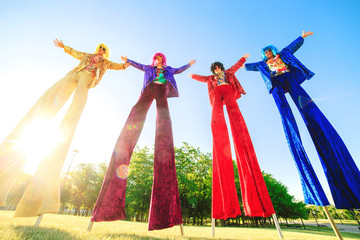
213, 227
336, 230
277, 226
90, 226
38, 220
182, 230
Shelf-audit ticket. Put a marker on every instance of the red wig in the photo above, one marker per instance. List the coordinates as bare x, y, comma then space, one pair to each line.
154, 61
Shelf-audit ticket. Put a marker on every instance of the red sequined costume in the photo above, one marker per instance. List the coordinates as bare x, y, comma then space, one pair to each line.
255, 197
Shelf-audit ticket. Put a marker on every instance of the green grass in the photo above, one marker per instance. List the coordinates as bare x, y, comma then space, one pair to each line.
54, 226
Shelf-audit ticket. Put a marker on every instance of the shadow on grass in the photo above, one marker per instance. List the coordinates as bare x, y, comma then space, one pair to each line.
136, 237
322, 231
37, 233
130, 236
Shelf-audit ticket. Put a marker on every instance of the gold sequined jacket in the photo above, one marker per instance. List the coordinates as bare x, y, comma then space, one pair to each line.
101, 65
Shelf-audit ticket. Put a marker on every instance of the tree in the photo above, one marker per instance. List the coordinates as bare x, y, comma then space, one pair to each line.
194, 173
65, 193
85, 184
139, 184
284, 204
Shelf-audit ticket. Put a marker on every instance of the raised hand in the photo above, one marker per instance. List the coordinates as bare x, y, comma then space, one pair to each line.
58, 43
124, 58
246, 55
192, 62
305, 34
190, 75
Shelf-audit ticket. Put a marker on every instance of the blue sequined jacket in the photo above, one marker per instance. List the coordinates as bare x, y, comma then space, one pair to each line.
150, 75
288, 58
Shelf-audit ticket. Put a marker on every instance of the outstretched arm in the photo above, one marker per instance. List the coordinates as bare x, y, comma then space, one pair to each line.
183, 68
200, 78
76, 54
133, 63
297, 43
239, 64
118, 66
252, 66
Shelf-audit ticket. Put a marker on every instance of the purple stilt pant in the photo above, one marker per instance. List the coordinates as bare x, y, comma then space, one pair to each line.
165, 210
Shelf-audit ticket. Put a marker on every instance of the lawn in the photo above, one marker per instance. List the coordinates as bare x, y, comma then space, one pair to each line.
54, 226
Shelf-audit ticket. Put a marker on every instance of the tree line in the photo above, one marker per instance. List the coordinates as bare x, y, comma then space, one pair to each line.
81, 186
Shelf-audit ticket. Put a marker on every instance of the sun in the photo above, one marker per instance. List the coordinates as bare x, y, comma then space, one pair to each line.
38, 140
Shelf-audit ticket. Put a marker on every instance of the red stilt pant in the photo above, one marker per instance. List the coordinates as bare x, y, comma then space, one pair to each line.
255, 197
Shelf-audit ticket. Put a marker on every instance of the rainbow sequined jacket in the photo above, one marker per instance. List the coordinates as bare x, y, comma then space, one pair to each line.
288, 58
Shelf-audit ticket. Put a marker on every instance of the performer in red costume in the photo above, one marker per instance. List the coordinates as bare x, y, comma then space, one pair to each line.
225, 89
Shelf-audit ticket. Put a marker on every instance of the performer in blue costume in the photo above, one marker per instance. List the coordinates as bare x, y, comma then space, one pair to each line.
283, 72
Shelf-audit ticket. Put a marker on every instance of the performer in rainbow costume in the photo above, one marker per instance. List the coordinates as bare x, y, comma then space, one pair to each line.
284, 73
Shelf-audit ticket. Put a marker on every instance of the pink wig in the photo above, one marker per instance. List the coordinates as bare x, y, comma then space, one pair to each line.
154, 62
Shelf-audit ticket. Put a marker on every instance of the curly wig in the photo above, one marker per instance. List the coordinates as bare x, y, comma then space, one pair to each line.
219, 64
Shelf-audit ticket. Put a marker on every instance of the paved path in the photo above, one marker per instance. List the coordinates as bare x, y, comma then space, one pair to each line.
341, 227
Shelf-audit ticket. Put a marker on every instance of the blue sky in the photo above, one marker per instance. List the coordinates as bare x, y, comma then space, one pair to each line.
207, 31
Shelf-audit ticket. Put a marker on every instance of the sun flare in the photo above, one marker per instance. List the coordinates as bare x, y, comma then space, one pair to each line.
38, 140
